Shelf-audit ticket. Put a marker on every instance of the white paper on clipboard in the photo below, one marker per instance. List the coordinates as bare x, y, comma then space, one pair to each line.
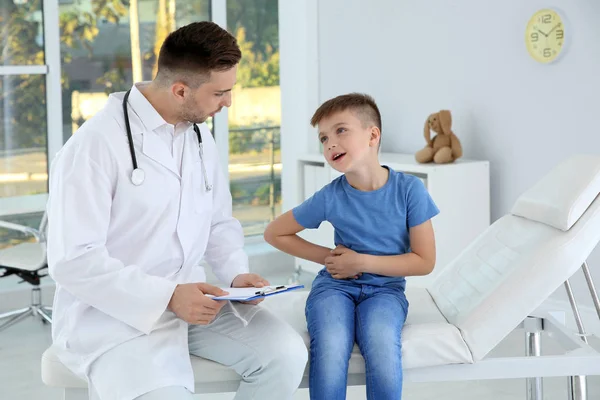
252, 293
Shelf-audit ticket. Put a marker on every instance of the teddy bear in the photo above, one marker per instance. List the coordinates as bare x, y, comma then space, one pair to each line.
444, 147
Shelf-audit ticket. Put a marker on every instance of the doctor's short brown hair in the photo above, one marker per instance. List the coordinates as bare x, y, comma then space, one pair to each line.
363, 106
197, 49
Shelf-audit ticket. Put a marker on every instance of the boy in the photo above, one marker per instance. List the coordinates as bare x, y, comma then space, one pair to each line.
383, 233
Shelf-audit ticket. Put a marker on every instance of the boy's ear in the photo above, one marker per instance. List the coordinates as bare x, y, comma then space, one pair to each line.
375, 136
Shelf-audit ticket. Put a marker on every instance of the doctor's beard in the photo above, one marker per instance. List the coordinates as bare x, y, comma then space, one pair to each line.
191, 113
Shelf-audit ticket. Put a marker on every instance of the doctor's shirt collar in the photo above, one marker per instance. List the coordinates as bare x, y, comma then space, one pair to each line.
150, 118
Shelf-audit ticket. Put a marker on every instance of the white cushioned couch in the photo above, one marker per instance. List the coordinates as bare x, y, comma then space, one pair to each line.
496, 283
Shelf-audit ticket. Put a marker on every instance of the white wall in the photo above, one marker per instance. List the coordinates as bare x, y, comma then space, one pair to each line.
299, 82
416, 57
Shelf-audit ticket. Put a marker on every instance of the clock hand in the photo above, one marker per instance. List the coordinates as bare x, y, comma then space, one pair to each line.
555, 26
542, 32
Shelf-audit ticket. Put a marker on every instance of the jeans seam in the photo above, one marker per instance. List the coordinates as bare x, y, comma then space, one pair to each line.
369, 380
330, 292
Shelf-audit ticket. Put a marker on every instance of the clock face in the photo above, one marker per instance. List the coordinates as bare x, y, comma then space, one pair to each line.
545, 36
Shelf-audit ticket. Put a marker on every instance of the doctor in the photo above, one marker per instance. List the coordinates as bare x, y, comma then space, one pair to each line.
136, 200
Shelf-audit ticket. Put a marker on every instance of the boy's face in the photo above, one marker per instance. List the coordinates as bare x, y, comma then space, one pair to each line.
346, 142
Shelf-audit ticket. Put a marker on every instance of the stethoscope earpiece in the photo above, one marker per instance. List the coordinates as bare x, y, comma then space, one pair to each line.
138, 175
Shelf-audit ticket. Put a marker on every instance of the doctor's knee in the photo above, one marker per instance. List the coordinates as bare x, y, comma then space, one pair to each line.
288, 356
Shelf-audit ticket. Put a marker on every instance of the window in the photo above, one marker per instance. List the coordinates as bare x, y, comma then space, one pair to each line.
23, 127
105, 48
25, 83
255, 114
28, 78
53, 77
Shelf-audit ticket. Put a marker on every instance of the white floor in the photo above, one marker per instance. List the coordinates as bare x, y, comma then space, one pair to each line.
22, 345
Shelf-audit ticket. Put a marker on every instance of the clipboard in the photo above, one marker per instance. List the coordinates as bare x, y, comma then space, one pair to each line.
253, 293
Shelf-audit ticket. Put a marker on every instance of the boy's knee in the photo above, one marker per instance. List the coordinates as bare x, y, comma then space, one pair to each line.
330, 349
383, 343
331, 342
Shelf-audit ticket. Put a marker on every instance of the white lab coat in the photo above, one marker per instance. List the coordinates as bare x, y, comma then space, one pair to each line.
116, 251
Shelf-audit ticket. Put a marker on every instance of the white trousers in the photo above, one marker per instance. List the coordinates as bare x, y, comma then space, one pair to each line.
169, 392
268, 354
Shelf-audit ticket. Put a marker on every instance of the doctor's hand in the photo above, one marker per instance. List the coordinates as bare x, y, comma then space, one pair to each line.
250, 280
190, 304
344, 263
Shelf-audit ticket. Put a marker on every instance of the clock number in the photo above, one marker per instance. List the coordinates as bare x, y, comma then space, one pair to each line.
547, 52
560, 34
546, 19
534, 37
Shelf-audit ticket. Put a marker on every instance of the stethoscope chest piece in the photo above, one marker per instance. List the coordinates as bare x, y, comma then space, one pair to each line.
137, 176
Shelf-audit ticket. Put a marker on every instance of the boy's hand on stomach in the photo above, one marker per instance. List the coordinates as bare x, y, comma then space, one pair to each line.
344, 263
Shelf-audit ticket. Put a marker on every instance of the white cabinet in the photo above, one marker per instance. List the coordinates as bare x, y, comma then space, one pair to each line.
461, 191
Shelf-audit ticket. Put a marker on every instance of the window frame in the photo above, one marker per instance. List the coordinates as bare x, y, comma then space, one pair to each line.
54, 134
218, 14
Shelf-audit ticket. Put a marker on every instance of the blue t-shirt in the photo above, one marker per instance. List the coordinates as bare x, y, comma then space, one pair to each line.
373, 222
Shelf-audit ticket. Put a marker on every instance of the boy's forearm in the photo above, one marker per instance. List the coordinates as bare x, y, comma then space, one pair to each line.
298, 247
409, 264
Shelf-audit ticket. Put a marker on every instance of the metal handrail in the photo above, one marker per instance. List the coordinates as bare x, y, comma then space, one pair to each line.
272, 140
21, 228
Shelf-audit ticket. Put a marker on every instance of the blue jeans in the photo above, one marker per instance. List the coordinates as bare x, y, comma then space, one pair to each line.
340, 312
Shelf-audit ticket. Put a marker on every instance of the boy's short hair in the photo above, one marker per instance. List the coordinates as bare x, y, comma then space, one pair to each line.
191, 52
361, 104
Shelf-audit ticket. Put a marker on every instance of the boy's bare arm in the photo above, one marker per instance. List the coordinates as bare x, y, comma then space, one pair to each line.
420, 261
282, 234
343, 262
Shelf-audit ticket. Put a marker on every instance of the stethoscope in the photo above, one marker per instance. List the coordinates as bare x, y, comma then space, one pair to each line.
138, 175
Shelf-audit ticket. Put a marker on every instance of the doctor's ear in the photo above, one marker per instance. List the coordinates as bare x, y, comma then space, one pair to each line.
180, 90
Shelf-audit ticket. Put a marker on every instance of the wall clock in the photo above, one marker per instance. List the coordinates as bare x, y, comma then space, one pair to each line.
545, 36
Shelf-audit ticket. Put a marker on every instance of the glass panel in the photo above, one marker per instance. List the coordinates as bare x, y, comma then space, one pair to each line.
164, 16
255, 115
95, 57
160, 17
96, 48
21, 32
23, 132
